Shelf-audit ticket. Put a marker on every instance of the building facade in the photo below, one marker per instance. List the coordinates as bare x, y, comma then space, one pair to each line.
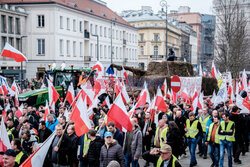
79, 33
12, 30
152, 35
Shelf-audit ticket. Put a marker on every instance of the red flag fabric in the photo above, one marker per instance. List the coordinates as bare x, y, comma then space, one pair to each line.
159, 101
80, 117
19, 112
46, 111
53, 94
4, 140
37, 158
119, 114
70, 93
213, 71
164, 88
11, 52
143, 97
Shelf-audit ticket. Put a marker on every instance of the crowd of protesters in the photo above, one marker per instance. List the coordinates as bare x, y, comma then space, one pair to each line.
161, 138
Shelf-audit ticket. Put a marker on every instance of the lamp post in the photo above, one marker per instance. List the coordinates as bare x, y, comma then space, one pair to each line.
111, 41
97, 36
164, 4
21, 47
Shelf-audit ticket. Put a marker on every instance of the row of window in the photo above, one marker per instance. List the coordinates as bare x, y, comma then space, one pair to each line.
156, 37
68, 47
156, 50
15, 42
10, 24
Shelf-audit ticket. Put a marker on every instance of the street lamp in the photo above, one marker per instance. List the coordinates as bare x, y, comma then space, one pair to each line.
21, 47
164, 4
111, 42
97, 36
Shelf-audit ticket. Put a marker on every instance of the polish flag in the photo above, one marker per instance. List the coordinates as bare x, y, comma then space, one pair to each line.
99, 68
185, 96
119, 113
200, 71
19, 112
195, 100
213, 71
244, 81
37, 158
4, 85
107, 102
53, 95
159, 101
88, 92
6, 109
124, 72
15, 88
230, 90
200, 102
4, 140
164, 88
120, 87
11, 52
168, 94
80, 117
143, 97
46, 111
70, 94
243, 104
1, 90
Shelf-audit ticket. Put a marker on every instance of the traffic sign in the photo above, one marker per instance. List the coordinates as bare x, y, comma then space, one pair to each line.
175, 84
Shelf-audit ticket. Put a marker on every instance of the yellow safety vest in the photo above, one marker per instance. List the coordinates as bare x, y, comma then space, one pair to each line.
18, 157
227, 137
192, 131
159, 161
10, 133
204, 123
163, 135
217, 139
86, 143
169, 112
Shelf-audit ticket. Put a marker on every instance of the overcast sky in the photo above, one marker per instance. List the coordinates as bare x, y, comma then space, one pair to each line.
202, 6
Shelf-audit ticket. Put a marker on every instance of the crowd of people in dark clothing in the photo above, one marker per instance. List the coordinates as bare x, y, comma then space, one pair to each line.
161, 138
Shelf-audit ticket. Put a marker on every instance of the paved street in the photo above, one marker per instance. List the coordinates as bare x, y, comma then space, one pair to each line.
207, 162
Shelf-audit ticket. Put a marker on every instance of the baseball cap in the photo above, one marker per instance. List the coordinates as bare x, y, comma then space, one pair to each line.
10, 152
108, 134
165, 148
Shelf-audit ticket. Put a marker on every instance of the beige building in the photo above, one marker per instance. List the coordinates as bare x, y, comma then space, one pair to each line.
152, 35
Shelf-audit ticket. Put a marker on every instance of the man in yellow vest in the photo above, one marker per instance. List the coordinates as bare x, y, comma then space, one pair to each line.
213, 141
20, 155
162, 157
226, 135
193, 134
161, 134
203, 120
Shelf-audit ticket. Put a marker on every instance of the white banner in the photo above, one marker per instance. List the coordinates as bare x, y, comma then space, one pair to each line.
190, 83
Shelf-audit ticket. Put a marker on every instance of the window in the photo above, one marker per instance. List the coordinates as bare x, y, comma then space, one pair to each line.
61, 47
116, 53
109, 33
91, 28
10, 21
96, 29
100, 31
95, 50
3, 23
105, 51
80, 26
120, 52
156, 50
74, 48
41, 47
4, 40
141, 37
100, 51
81, 49
61, 22
117, 34
113, 34
142, 51
68, 24
18, 44
109, 51
91, 50
105, 32
156, 37
68, 48
40, 19
17, 25
11, 41
74, 25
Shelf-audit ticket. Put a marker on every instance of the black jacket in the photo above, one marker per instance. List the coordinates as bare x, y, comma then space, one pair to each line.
94, 151
174, 139
154, 159
239, 126
118, 136
43, 136
73, 148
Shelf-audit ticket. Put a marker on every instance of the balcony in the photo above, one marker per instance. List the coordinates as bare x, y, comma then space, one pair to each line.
156, 57
86, 34
87, 58
124, 42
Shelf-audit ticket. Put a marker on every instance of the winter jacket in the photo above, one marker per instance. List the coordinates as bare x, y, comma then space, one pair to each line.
52, 126
72, 154
118, 136
174, 139
94, 151
43, 134
110, 153
136, 143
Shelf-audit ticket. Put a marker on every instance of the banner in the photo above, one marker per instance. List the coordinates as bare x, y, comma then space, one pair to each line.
190, 83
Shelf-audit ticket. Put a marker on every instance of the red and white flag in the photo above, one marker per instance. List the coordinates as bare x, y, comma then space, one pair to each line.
37, 158
19, 111
195, 100
230, 90
53, 95
15, 88
4, 140
70, 94
99, 68
11, 52
143, 96
243, 104
200, 71
80, 117
185, 96
118, 113
164, 88
213, 71
107, 102
4, 85
201, 101
124, 72
159, 101
46, 111
244, 81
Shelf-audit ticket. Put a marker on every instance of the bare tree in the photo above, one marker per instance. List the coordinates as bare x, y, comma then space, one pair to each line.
231, 41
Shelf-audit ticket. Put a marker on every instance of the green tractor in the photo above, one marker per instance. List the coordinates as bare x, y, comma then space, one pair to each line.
61, 81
